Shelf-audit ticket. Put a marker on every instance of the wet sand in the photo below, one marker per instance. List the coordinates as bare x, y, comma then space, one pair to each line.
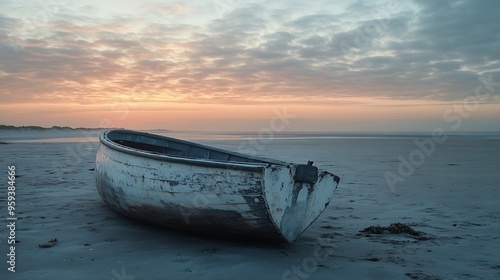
452, 195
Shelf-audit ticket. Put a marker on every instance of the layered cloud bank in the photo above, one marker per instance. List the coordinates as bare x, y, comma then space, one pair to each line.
247, 52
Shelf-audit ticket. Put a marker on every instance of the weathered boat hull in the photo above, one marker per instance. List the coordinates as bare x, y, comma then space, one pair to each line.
248, 198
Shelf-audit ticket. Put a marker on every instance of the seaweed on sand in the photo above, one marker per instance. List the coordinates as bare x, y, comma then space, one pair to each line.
397, 228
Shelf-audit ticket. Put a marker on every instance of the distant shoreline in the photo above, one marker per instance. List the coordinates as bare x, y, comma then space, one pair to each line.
31, 131
250, 132
10, 133
55, 127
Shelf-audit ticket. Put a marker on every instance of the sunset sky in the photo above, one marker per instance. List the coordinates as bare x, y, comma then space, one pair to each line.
229, 65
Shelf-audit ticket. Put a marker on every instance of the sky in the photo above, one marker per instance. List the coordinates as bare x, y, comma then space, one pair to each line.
234, 65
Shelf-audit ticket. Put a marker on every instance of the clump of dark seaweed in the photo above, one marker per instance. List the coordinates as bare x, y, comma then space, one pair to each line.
397, 228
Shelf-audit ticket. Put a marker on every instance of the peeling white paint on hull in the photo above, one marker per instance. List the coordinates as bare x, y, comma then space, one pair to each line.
200, 189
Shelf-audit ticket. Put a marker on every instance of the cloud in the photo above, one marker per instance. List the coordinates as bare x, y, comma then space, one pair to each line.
429, 50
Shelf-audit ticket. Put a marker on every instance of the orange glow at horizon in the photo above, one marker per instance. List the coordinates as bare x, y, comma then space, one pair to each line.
218, 117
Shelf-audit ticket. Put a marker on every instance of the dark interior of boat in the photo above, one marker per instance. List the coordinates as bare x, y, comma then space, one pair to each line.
173, 147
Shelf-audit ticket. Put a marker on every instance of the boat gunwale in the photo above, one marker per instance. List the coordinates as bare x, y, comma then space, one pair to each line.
248, 166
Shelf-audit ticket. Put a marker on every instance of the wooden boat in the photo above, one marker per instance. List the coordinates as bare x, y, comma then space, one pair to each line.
196, 188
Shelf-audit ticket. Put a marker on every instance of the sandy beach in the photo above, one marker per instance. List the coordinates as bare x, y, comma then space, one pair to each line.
451, 195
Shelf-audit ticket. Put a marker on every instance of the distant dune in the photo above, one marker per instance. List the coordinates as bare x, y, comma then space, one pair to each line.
9, 133
40, 128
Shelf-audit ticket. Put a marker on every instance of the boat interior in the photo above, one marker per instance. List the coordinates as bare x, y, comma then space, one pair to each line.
163, 145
